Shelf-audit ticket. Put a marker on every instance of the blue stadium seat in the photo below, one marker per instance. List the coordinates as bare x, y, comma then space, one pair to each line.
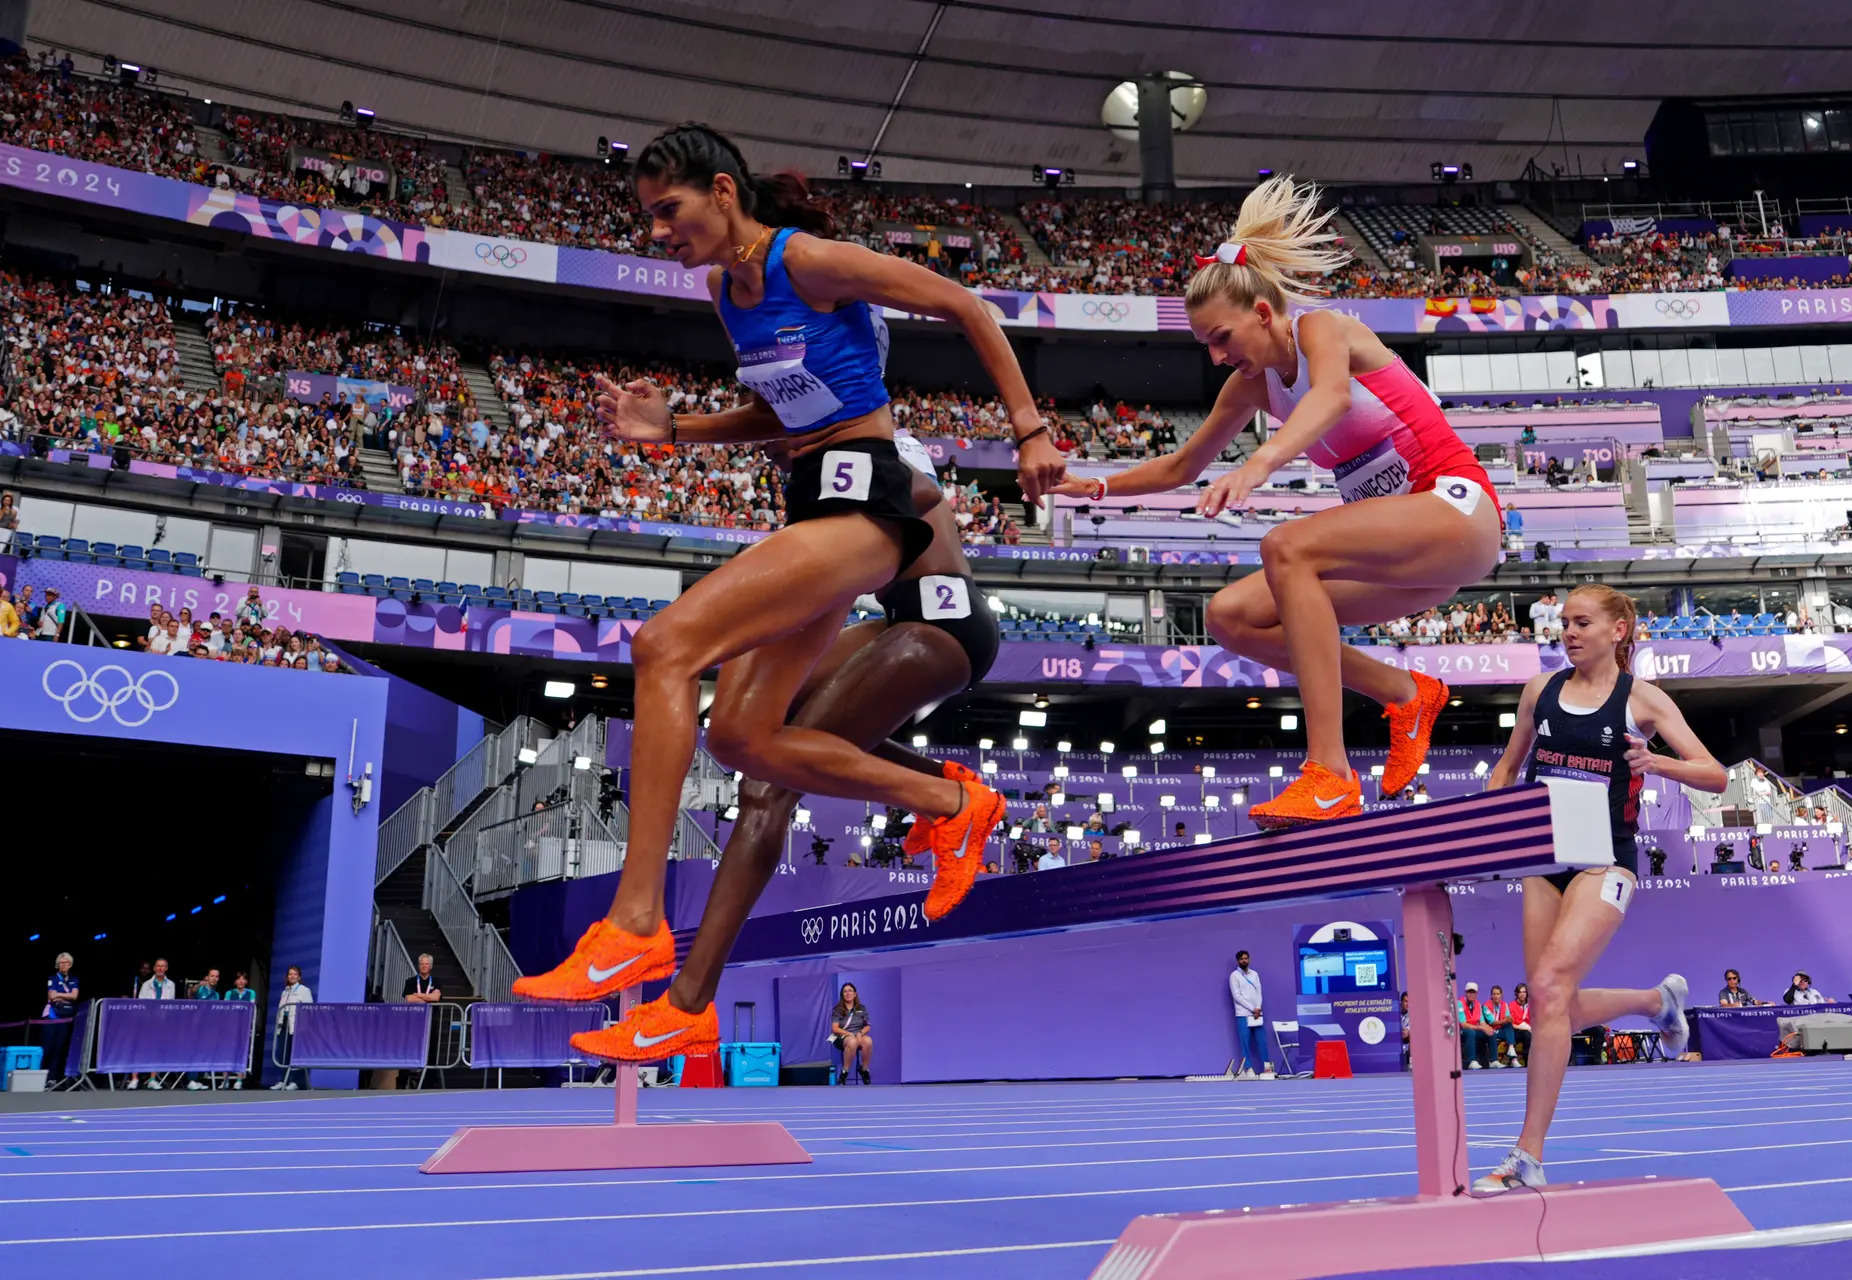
423, 584
160, 560
347, 582
591, 601
657, 606
105, 553
378, 589
546, 597
478, 602
77, 549
132, 556
472, 589
375, 584
569, 597
48, 546
187, 564
450, 588
398, 584
493, 592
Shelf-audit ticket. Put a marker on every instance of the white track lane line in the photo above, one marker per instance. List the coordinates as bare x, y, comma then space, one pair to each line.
710, 1268
831, 1207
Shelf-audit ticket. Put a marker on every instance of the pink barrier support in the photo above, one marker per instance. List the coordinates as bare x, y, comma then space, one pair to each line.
622, 1144
1442, 1223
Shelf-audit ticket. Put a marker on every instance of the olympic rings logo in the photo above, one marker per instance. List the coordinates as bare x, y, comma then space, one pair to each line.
502, 255
1682, 308
812, 929
1105, 309
111, 691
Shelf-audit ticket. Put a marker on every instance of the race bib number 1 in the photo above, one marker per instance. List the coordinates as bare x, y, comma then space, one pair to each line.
942, 596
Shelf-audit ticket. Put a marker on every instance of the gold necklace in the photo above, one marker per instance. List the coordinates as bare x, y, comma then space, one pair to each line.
745, 255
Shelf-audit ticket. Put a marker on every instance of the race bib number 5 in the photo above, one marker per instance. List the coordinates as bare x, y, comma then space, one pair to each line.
942, 596
846, 475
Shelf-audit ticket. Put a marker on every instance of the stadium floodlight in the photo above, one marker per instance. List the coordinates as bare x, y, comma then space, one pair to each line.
1016, 832
731, 813
803, 817
1019, 744
582, 763
1238, 798
1168, 801
1031, 719
1131, 836
559, 689
1208, 771
878, 821
527, 755
1289, 721
1630, 167
1129, 771
1060, 771
1424, 769
1106, 748
919, 739
1276, 771
1158, 726
1064, 746
1481, 769
1507, 719
1212, 802
866, 841
989, 766
986, 744
1155, 748
1058, 799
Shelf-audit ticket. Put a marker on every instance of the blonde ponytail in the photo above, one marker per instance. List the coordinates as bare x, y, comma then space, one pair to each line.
1285, 244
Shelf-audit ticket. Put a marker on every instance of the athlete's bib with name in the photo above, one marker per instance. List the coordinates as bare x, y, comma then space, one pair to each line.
1379, 472
799, 397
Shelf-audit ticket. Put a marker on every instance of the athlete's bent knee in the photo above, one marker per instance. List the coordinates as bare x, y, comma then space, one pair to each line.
661, 644
1284, 545
1552, 996
1232, 620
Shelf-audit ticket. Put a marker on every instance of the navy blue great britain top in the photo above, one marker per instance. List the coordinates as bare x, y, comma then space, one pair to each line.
814, 368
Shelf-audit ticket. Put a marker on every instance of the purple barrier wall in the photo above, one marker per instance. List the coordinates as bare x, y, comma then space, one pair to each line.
126, 593
1814, 269
173, 1035
529, 1035
361, 1035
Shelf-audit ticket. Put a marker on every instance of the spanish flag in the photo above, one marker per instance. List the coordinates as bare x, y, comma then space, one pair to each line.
1442, 306
1483, 306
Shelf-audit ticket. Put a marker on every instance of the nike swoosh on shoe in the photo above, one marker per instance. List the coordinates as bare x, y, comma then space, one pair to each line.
642, 1041
596, 975
1416, 731
1323, 803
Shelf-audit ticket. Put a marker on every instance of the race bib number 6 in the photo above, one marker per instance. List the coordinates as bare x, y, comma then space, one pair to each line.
846, 475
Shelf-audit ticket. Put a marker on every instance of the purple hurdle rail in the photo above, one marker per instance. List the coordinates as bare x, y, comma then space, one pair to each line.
1434, 1226
622, 1144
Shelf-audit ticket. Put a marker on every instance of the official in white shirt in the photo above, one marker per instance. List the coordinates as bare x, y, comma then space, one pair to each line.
1250, 1024
295, 992
157, 987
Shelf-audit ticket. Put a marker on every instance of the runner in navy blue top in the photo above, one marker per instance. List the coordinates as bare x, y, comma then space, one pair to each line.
804, 315
1591, 722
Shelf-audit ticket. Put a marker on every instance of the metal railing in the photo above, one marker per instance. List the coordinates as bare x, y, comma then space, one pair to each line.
556, 766
459, 849
392, 963
690, 841
485, 957
561, 842
405, 830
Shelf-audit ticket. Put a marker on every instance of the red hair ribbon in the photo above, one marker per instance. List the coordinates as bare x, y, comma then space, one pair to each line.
1235, 255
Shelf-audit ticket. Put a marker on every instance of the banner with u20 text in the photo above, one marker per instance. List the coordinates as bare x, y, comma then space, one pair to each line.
349, 231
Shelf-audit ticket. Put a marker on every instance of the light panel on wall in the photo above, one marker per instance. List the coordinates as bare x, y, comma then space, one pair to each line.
560, 689
1031, 719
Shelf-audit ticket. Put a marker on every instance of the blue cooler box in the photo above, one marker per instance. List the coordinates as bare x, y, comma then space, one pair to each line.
750, 1064
26, 1057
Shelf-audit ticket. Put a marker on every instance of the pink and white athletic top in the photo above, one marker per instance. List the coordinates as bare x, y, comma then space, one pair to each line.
1394, 439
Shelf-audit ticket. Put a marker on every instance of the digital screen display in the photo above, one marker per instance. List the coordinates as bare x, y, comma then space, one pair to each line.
1336, 968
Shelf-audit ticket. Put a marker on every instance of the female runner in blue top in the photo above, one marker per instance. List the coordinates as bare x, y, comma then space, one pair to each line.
803, 314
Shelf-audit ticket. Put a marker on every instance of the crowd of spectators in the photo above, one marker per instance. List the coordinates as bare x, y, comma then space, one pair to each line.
1495, 621
49, 108
264, 147
247, 636
552, 199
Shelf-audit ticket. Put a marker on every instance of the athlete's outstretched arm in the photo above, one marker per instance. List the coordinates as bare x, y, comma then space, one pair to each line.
843, 272
1694, 766
638, 411
1505, 772
1235, 406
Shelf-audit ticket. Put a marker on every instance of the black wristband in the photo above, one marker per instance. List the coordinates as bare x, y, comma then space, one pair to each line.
1039, 431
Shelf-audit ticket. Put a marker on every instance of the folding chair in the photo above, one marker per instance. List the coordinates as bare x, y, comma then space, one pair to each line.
1287, 1051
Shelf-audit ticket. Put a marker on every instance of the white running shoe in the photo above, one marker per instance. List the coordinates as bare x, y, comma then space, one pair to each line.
291, 1087
1518, 1169
133, 1084
276, 1088
1674, 1031
237, 1084
1268, 1074
194, 1086
154, 1084
1475, 1065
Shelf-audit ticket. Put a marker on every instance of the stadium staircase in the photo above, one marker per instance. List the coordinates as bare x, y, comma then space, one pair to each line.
376, 467
1032, 252
488, 399
457, 187
1538, 228
1360, 248
198, 371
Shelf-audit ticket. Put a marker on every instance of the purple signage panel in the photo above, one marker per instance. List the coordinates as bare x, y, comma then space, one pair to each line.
361, 1035
625, 273
93, 183
1346, 985
529, 1035
342, 230
125, 593
174, 1035
319, 492
1790, 306
1720, 1033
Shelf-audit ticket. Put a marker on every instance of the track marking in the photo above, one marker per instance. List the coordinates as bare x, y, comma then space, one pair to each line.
814, 1262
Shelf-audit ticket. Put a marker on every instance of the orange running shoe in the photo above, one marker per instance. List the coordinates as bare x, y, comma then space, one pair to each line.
958, 847
919, 835
1411, 728
1316, 795
607, 960
651, 1032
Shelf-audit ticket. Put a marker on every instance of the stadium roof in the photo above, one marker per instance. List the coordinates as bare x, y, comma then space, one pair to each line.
968, 91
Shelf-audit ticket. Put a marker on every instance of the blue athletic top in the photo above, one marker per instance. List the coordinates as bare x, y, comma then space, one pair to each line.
813, 367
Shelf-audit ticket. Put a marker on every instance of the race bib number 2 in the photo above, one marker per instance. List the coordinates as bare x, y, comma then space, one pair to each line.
846, 475
943, 596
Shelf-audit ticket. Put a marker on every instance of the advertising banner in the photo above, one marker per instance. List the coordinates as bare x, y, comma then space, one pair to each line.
495, 255
529, 1035
331, 166
114, 592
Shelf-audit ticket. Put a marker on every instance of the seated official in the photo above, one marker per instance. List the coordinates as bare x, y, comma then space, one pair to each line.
849, 1032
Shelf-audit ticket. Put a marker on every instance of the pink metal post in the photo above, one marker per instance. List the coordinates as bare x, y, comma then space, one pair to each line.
624, 1144
1433, 1040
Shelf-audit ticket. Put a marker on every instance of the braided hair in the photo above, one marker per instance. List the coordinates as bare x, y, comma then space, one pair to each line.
696, 154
